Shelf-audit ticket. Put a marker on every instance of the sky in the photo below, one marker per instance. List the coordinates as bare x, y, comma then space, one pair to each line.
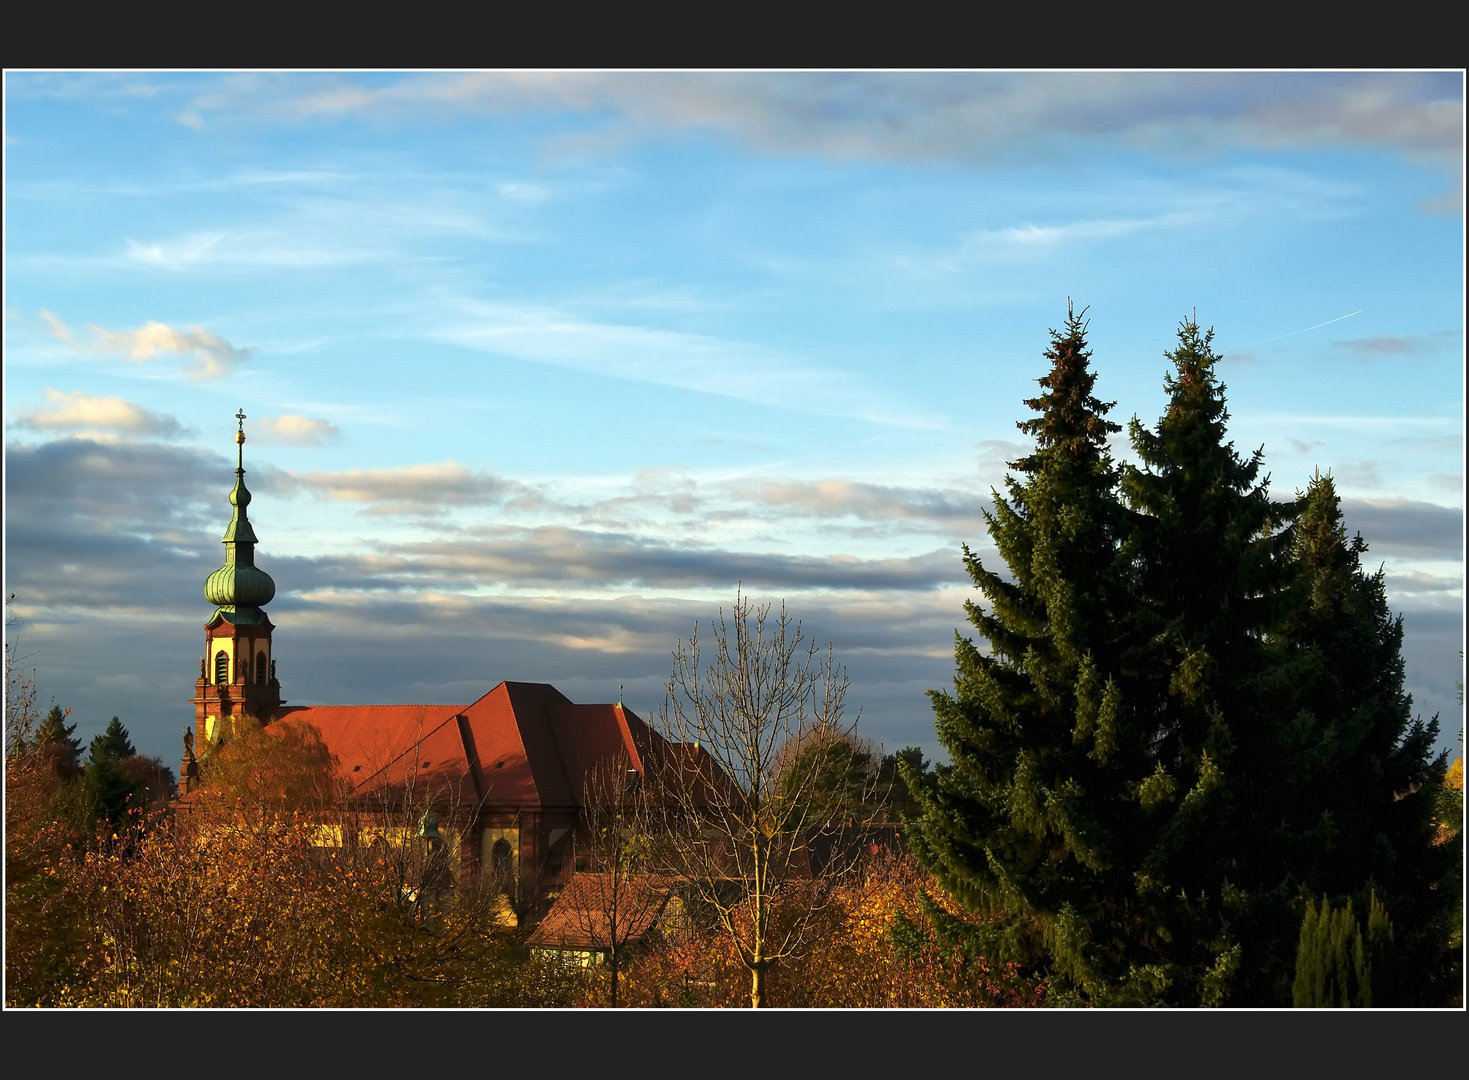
540, 368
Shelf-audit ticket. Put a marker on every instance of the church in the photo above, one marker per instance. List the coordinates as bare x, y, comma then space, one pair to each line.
505, 773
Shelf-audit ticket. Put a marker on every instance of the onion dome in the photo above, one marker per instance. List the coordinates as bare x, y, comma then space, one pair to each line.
239, 588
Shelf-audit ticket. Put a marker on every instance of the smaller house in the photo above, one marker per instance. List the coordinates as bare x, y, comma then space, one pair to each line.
641, 912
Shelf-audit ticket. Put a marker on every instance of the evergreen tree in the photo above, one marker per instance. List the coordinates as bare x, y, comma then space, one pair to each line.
113, 744
1038, 827
56, 731
1358, 802
1189, 720
1335, 966
1332, 968
1209, 553
55, 738
110, 792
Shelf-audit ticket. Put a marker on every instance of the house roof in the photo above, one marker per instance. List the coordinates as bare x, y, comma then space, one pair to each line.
581, 916
522, 745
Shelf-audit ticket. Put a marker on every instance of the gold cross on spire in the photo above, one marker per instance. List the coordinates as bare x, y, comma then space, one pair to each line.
240, 416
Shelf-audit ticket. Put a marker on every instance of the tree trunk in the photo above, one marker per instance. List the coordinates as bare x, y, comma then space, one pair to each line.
757, 985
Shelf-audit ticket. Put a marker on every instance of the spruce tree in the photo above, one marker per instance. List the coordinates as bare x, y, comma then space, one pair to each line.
55, 738
113, 744
111, 794
1332, 965
1357, 805
1038, 826
1209, 554
54, 730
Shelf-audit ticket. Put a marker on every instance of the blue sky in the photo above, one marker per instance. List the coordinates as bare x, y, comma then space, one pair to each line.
539, 365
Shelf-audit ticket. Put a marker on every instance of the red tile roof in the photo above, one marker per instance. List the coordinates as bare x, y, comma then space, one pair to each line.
580, 917
522, 745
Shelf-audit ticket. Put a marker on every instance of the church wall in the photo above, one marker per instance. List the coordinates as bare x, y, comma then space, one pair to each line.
216, 646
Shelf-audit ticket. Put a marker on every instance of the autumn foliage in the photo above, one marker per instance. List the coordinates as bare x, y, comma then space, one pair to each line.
879, 947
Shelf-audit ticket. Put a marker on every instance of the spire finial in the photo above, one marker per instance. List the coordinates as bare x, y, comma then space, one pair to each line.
240, 441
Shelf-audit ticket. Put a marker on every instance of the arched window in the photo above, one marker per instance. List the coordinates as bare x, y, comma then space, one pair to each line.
502, 861
221, 668
260, 667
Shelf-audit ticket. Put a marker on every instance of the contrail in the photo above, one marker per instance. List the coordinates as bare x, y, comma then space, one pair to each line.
1293, 333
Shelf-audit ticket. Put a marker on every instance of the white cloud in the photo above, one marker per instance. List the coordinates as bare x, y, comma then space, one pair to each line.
289, 430
76, 410
210, 356
975, 117
409, 489
523, 191
687, 361
248, 248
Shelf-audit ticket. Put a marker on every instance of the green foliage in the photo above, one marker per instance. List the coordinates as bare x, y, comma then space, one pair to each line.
111, 795
903, 805
1358, 779
1037, 828
55, 731
113, 744
1335, 968
826, 778
1190, 716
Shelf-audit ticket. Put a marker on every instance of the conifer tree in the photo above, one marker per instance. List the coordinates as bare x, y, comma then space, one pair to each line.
110, 792
55, 738
113, 744
56, 731
1209, 552
1332, 966
1358, 799
1037, 827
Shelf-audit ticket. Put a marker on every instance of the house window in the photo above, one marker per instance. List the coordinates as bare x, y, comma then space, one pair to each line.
501, 860
260, 667
221, 667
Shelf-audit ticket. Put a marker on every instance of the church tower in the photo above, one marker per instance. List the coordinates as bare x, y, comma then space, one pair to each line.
237, 671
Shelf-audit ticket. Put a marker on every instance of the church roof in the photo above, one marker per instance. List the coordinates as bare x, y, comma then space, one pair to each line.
522, 745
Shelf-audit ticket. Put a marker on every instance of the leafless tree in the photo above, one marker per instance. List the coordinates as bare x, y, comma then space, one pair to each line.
616, 895
21, 712
754, 827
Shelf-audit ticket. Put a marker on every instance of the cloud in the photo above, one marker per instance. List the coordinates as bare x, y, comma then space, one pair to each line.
974, 117
1418, 582
523, 191
210, 356
1302, 447
76, 410
695, 362
409, 489
1391, 346
288, 430
1406, 528
869, 502
108, 547
557, 555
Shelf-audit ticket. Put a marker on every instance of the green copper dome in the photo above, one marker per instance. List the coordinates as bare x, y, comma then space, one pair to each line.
239, 587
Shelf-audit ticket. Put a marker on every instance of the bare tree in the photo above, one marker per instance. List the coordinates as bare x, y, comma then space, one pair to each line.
748, 784
21, 712
616, 896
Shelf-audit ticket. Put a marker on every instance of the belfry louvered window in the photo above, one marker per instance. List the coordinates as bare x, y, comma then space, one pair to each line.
221, 668
260, 667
